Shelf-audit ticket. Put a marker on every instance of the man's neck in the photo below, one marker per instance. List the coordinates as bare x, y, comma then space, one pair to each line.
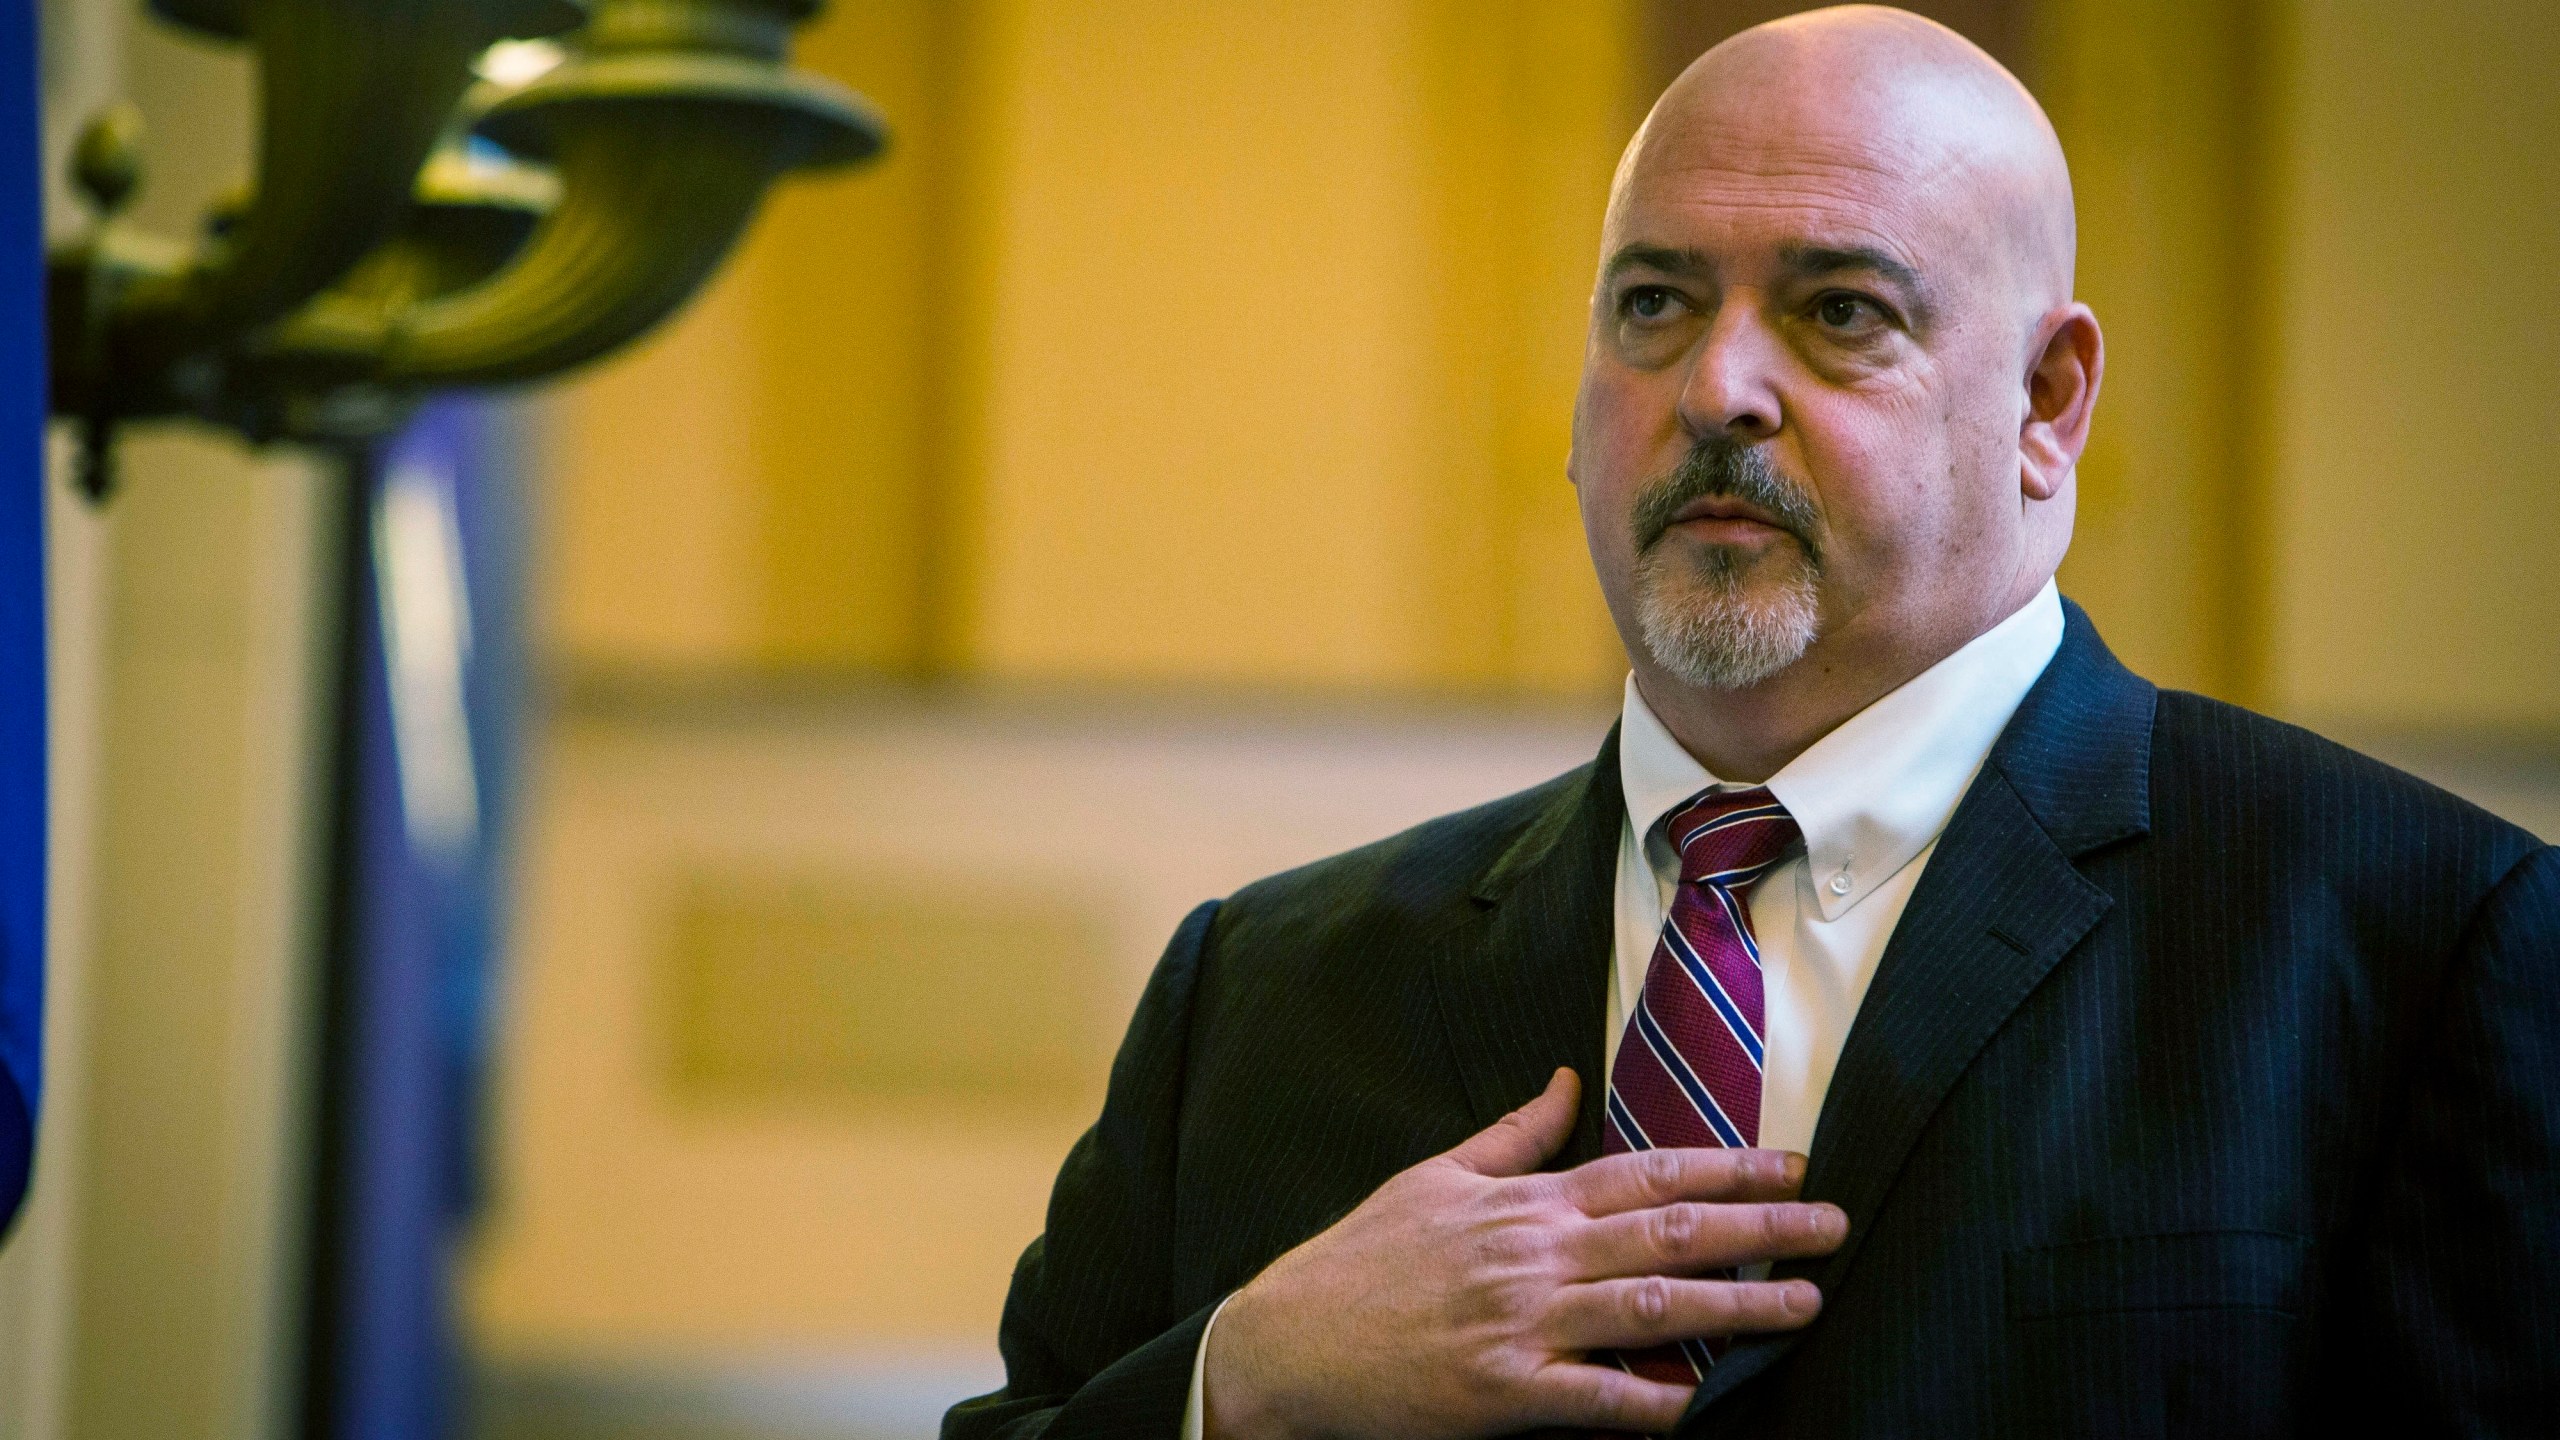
1748, 734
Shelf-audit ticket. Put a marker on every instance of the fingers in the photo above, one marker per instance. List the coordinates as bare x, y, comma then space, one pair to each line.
1604, 1397
1647, 1178
1690, 1236
1656, 1309
1522, 1140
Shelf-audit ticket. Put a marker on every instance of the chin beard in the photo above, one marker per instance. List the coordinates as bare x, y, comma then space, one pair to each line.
1702, 622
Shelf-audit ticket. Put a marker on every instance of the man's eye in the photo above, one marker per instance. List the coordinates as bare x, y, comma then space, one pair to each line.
1649, 302
1843, 312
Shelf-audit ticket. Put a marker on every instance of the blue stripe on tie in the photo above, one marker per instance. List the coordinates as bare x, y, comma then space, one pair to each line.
1625, 1120
1740, 875
1709, 986
1735, 915
1701, 1098
1747, 812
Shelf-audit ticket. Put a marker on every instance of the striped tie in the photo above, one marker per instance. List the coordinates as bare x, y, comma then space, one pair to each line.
1688, 1067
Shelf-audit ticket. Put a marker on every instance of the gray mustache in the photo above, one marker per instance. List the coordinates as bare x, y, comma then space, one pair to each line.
1721, 469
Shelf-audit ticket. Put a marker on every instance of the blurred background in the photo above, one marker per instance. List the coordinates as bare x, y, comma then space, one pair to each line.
1146, 477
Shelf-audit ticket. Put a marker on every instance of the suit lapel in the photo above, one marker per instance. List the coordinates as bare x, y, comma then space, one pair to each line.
1522, 987
1999, 906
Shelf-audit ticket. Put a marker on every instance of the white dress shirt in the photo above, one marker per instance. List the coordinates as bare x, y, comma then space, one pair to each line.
1871, 799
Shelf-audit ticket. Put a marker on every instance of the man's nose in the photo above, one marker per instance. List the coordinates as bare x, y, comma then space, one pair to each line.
1729, 389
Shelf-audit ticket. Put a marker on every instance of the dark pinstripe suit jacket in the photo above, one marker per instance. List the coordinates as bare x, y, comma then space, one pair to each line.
2210, 1085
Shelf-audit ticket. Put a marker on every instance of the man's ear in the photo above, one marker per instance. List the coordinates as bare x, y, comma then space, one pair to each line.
1573, 434
2062, 393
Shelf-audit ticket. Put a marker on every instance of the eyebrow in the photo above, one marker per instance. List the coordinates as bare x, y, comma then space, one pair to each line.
1813, 260
1804, 261
1669, 259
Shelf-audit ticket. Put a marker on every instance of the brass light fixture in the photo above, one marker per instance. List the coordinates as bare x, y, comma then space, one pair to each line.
450, 193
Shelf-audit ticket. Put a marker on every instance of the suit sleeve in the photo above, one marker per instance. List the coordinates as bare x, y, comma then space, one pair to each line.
1092, 1347
2464, 1257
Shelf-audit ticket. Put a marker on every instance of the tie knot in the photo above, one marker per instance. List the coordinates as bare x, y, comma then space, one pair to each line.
1730, 837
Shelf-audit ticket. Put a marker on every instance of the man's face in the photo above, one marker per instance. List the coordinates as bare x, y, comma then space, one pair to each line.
1801, 399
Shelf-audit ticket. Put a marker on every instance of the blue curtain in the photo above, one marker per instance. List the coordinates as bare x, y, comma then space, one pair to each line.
22, 683
428, 775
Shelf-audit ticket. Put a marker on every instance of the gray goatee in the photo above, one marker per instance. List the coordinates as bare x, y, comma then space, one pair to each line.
1698, 614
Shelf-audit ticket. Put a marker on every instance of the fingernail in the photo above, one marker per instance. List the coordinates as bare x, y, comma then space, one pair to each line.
1792, 1167
1802, 1298
1830, 1222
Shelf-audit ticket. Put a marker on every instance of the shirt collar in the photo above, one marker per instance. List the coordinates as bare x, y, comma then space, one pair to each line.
1875, 791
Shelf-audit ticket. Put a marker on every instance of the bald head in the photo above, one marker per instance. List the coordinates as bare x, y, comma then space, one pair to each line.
1870, 87
1837, 384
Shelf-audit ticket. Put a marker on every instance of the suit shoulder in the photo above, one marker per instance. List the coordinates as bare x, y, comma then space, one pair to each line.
1414, 877
2211, 757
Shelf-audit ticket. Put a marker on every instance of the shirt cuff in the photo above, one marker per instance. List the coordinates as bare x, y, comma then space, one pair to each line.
1195, 1411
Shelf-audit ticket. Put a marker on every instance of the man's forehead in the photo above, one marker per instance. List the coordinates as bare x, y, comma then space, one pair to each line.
1776, 208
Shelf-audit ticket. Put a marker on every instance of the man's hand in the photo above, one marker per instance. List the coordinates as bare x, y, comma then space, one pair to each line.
1459, 1299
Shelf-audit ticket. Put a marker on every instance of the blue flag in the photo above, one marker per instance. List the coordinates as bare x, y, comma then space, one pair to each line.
22, 683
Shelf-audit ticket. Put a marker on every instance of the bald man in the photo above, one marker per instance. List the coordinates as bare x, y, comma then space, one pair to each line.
1912, 1023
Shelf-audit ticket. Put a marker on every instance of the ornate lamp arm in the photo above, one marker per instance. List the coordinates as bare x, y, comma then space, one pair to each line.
353, 95
647, 211
663, 147
351, 284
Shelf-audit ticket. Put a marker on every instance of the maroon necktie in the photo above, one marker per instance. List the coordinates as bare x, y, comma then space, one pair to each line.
1688, 1067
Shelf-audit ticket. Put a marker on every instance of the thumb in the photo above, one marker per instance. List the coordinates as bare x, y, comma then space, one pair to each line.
1522, 1140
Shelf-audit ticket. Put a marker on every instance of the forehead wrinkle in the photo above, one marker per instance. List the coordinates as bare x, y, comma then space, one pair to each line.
1799, 217
1858, 191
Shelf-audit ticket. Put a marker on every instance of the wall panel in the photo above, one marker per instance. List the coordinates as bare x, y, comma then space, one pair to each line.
2418, 282
2164, 110
1168, 343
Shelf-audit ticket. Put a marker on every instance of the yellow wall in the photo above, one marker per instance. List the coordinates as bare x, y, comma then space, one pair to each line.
1279, 374
751, 489
2320, 238
666, 1194
2417, 286
1171, 342
2159, 103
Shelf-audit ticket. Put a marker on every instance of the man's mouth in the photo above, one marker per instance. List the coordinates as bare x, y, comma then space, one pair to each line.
1726, 495
1724, 517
